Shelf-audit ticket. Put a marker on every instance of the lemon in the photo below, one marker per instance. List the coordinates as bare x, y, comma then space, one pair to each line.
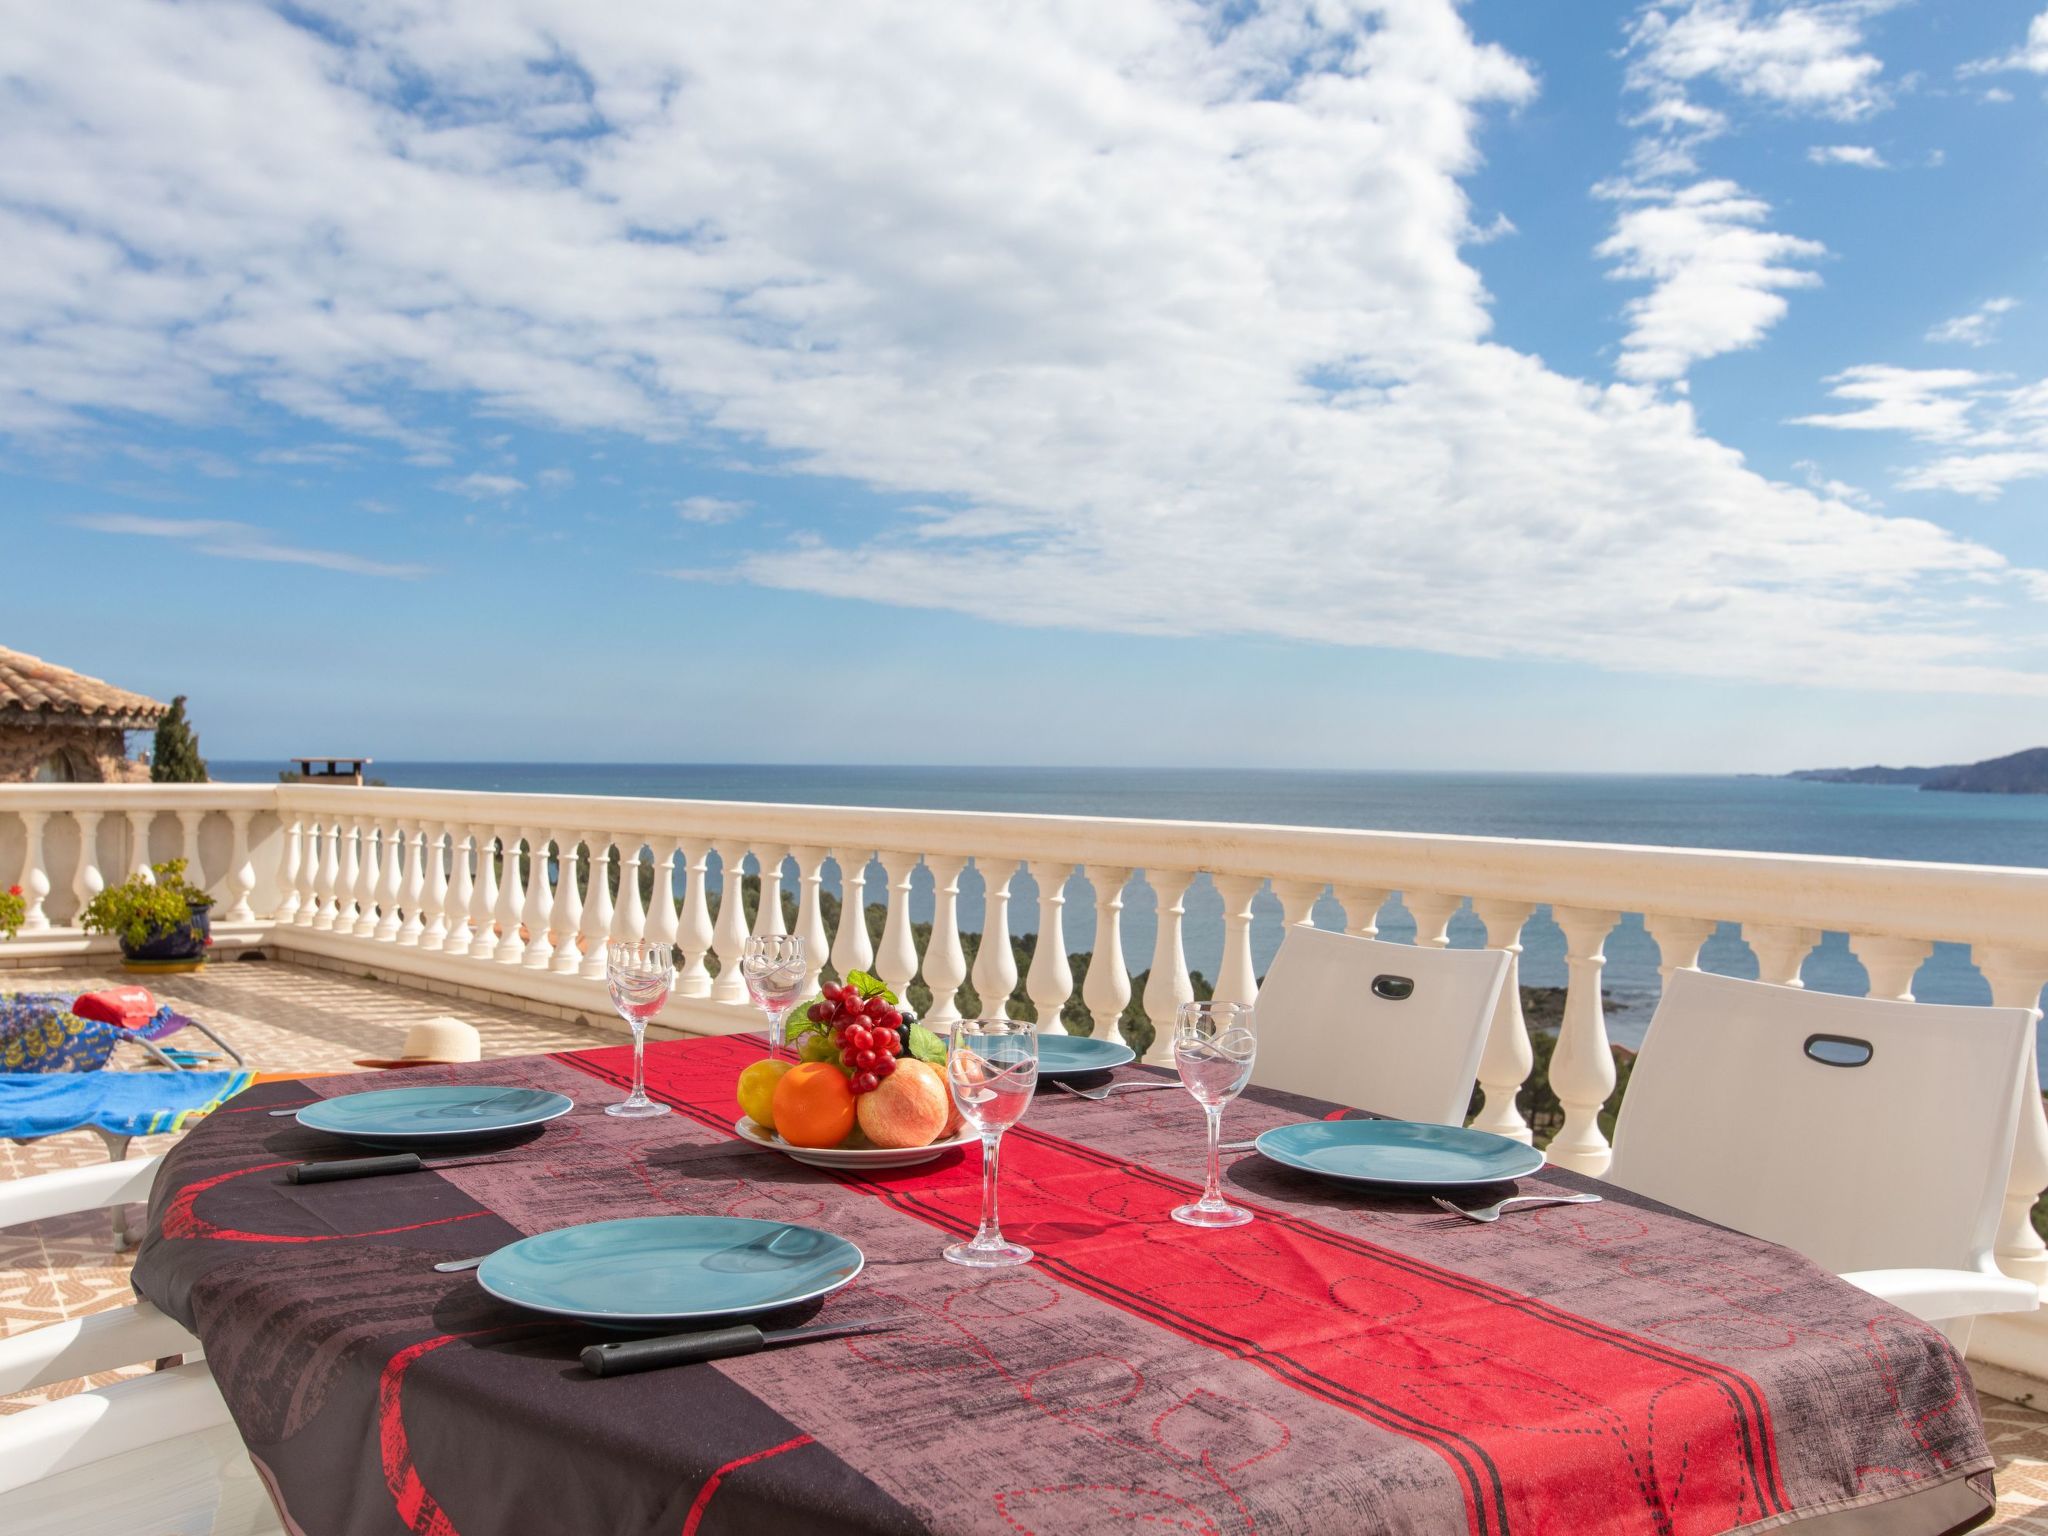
757, 1091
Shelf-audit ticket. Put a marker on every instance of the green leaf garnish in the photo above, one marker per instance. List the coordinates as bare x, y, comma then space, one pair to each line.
926, 1046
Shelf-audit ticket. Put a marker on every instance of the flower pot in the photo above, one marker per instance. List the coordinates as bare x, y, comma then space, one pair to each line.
181, 945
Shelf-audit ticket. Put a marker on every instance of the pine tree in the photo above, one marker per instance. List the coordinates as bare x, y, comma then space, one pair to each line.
176, 759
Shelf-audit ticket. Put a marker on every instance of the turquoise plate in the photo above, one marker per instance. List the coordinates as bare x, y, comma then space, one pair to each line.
445, 1112
656, 1271
1399, 1152
1071, 1055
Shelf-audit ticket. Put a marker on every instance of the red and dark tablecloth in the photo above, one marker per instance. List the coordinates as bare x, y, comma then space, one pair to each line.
1352, 1361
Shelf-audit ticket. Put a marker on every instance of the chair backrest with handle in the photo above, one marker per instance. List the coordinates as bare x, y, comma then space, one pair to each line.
1394, 1028
1866, 1134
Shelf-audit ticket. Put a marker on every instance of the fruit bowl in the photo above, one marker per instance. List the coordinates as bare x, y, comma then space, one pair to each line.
855, 1152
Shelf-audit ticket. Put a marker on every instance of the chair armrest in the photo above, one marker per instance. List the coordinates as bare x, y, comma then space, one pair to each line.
1936, 1295
85, 1346
86, 1427
72, 1190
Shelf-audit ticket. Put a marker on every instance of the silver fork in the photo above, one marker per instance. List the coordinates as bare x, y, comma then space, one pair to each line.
1492, 1212
1098, 1094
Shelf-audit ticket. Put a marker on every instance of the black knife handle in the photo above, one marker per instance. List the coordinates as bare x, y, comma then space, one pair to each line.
353, 1168
674, 1349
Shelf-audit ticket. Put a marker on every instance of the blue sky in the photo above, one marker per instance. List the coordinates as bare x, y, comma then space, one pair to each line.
1532, 383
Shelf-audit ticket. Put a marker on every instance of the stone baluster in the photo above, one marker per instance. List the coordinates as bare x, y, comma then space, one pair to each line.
510, 948
483, 902
1582, 1066
1298, 900
1235, 982
1432, 911
195, 872
2016, 977
35, 877
291, 870
1892, 963
1679, 941
768, 921
1050, 981
1780, 952
87, 881
1506, 1060
852, 950
729, 932
629, 921
461, 892
139, 823
995, 962
896, 959
431, 897
346, 910
1362, 910
696, 931
241, 876
369, 873
945, 962
1107, 987
662, 927
539, 951
565, 921
1168, 986
327, 882
392, 886
810, 912
598, 912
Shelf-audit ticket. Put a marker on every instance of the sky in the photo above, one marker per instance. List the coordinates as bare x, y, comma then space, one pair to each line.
1546, 384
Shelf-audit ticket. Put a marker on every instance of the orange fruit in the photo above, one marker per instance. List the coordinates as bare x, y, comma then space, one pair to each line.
813, 1105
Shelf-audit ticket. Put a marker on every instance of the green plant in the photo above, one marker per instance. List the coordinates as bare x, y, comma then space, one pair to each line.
140, 909
175, 758
13, 909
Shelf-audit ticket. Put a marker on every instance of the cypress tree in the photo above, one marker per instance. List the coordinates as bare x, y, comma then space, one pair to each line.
176, 759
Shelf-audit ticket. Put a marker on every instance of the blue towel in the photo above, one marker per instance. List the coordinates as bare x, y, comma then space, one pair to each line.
123, 1103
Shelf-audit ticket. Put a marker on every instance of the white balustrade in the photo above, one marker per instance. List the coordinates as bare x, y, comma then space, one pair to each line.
598, 912
565, 920
391, 885
2017, 976
463, 850
348, 837
35, 879
945, 962
539, 953
1362, 910
896, 959
662, 925
851, 949
1432, 911
290, 872
510, 948
810, 911
995, 962
695, 930
1582, 1066
729, 932
1107, 989
1050, 981
1235, 982
1891, 963
1780, 951
483, 902
87, 882
241, 875
430, 895
327, 889
139, 824
369, 849
629, 922
188, 823
1298, 901
1169, 985
768, 922
1507, 1057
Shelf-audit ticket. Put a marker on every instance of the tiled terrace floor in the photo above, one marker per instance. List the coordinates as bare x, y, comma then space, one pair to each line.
288, 1018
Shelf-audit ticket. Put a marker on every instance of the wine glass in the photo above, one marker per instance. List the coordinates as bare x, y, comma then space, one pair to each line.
773, 967
992, 1068
640, 972
1213, 1047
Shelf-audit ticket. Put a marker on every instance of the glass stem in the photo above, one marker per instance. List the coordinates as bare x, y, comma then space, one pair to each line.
1212, 1192
639, 1093
991, 1232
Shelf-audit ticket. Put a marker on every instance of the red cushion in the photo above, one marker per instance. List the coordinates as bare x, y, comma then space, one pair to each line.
129, 1007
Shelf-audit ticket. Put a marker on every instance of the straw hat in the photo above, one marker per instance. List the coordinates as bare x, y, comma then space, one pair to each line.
437, 1042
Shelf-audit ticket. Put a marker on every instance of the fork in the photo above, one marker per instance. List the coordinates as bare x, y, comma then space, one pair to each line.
1096, 1095
1492, 1212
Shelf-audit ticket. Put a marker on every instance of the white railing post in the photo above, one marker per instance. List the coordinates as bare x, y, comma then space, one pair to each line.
1892, 963
346, 890
241, 875
662, 924
87, 881
1507, 1059
1432, 911
729, 932
896, 959
139, 823
461, 892
629, 921
35, 878
1780, 952
852, 950
945, 962
1362, 910
768, 921
195, 872
1168, 984
327, 883
1050, 981
539, 953
995, 962
1298, 900
290, 870
810, 912
510, 948
392, 885
565, 922
483, 901
1582, 1066
1235, 982
694, 932
1107, 987
368, 873
430, 893
2016, 978
1679, 941
597, 908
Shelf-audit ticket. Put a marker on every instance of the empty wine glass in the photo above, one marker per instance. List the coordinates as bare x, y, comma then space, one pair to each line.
1213, 1047
773, 967
992, 1068
640, 972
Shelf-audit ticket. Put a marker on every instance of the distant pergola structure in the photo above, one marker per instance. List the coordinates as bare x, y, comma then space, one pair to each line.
60, 726
332, 770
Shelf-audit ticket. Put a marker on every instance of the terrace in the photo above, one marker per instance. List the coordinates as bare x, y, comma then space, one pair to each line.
376, 907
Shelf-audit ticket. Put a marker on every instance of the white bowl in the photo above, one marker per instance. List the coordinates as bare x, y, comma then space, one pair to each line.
849, 1157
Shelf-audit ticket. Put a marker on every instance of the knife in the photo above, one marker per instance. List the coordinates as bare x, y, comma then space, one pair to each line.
714, 1344
371, 1167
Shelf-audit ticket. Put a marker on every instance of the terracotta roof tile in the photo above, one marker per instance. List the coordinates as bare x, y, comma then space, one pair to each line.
34, 689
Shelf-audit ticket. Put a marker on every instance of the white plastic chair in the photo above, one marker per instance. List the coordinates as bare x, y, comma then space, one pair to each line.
1871, 1136
1394, 1028
157, 1452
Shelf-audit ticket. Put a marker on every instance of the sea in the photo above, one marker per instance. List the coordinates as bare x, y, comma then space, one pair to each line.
1755, 814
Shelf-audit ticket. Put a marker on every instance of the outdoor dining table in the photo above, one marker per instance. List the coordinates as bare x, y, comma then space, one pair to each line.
1353, 1360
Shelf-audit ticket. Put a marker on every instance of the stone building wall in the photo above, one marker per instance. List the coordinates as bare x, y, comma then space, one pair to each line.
93, 755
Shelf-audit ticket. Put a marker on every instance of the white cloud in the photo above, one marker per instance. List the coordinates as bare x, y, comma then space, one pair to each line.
1978, 327
1991, 433
1804, 54
1997, 94
2031, 56
1847, 154
1928, 403
710, 509
557, 479
240, 541
479, 486
1160, 314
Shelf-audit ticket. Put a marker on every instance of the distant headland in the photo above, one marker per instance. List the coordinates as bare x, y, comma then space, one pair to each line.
2021, 773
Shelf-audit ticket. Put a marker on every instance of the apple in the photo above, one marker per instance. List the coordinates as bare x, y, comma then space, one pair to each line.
908, 1108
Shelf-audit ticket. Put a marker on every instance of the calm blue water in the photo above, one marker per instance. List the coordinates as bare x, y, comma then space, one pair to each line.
1762, 815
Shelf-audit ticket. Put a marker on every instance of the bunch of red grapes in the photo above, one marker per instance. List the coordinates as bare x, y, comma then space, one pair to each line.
869, 1033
